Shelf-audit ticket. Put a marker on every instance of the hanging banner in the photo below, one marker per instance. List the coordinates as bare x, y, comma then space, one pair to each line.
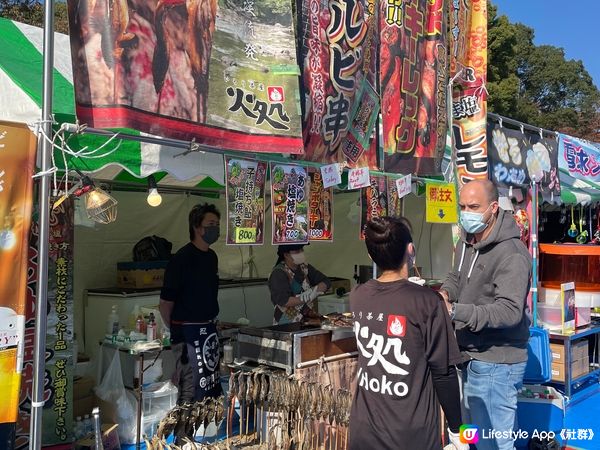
518, 157
338, 45
507, 149
373, 202
57, 413
289, 203
245, 193
413, 74
320, 203
224, 75
394, 201
468, 55
17, 165
441, 203
579, 158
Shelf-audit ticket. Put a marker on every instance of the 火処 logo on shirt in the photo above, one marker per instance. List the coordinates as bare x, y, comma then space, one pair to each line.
396, 325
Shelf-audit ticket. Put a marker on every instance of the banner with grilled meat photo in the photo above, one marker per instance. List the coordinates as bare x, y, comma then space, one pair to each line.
221, 72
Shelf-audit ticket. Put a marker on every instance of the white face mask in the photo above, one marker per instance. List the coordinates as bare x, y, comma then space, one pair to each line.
298, 258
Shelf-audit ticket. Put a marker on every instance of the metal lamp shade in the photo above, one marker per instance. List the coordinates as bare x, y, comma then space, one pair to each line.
100, 206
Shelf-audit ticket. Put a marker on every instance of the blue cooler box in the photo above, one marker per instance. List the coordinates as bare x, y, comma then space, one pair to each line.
541, 414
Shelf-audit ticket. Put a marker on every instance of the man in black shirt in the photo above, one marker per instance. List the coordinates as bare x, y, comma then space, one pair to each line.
189, 307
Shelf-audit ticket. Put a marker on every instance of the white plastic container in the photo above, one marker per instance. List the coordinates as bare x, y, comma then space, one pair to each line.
159, 398
112, 325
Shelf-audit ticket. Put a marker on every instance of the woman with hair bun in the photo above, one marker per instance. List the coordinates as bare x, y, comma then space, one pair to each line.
407, 352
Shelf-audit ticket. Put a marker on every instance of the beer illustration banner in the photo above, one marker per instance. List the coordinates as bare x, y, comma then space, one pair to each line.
338, 45
468, 55
320, 203
245, 192
289, 203
222, 73
373, 202
17, 163
413, 73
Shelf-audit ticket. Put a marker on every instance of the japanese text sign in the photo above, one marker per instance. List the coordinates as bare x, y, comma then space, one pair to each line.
579, 158
441, 204
404, 185
358, 178
289, 201
320, 217
332, 175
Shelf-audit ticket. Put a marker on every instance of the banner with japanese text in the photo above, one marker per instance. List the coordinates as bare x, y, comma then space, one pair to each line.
57, 420
17, 165
320, 204
338, 48
373, 202
222, 73
578, 158
413, 76
468, 60
245, 193
517, 157
289, 203
394, 202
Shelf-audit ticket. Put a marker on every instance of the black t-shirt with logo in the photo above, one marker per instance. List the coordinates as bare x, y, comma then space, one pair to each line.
192, 283
403, 331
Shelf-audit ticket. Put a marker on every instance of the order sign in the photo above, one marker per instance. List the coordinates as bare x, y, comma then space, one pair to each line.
245, 235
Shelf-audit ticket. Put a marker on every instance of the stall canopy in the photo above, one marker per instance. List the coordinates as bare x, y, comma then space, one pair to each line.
118, 160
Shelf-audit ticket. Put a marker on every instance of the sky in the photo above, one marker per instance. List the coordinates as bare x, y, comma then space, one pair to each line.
572, 25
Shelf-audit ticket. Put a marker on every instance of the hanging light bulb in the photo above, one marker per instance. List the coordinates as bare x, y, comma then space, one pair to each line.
100, 206
154, 198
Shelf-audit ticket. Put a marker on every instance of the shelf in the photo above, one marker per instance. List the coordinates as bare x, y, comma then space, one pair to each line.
583, 332
570, 249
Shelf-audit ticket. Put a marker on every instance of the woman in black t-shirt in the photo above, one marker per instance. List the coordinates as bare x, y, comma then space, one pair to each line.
407, 352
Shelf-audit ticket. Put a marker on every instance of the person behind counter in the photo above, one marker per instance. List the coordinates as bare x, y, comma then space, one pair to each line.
189, 307
406, 352
294, 285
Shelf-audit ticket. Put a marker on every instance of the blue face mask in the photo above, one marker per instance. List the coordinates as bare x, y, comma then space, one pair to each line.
473, 222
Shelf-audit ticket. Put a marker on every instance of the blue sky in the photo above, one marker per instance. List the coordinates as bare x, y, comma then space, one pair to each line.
572, 25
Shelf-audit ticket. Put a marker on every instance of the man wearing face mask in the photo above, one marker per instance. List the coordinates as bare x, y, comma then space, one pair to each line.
486, 297
189, 307
294, 285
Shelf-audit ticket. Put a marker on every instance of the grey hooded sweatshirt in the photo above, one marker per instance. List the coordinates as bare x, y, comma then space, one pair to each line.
489, 284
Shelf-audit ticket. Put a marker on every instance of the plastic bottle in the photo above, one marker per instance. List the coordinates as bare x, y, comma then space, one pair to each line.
151, 328
78, 428
140, 324
113, 321
88, 425
166, 336
228, 353
135, 313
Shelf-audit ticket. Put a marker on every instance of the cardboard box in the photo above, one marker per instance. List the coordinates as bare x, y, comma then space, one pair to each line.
110, 439
579, 349
82, 387
84, 405
141, 274
558, 352
581, 367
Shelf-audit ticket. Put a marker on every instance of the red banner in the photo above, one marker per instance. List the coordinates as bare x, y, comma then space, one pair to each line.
222, 74
413, 78
320, 208
338, 47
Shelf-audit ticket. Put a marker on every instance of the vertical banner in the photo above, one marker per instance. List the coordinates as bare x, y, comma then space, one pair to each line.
289, 204
58, 410
17, 163
394, 202
320, 203
373, 202
245, 193
413, 73
58, 384
468, 55
338, 45
222, 73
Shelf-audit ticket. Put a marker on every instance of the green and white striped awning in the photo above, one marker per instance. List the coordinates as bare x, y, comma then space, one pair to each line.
21, 66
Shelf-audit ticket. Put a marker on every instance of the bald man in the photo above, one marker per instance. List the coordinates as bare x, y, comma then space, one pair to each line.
486, 296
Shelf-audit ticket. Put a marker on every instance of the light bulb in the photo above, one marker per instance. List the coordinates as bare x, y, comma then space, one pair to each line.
154, 198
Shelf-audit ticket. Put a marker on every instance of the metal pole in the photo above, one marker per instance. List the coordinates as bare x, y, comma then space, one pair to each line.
39, 362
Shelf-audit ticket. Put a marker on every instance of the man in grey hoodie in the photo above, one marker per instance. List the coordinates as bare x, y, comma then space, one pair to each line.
486, 296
